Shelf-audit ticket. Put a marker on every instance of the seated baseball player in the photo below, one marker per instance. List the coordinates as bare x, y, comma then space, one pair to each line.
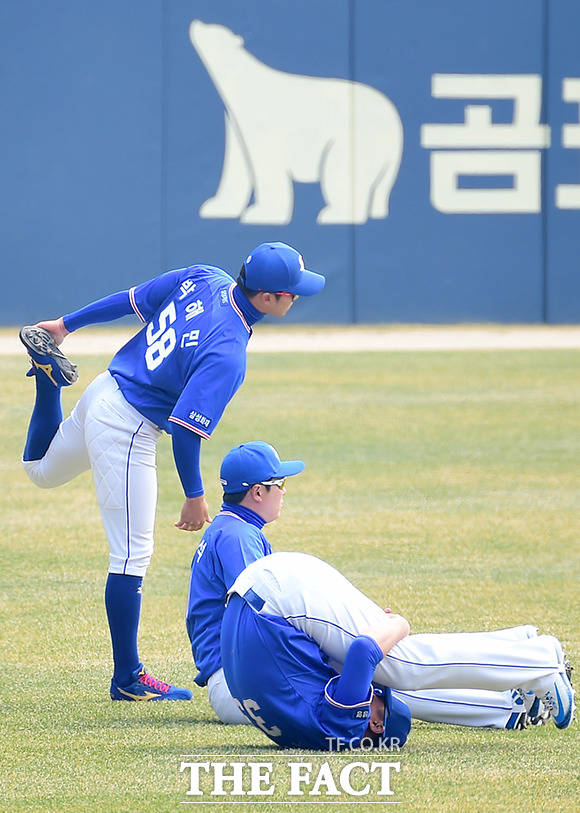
236, 538
292, 619
253, 478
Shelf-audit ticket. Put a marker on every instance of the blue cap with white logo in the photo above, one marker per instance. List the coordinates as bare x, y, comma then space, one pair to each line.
255, 462
279, 268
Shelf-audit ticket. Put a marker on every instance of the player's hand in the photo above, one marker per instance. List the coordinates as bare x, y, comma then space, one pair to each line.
194, 514
56, 329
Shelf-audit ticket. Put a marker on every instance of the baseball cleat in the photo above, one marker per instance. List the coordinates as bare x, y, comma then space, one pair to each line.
145, 687
559, 700
529, 711
46, 356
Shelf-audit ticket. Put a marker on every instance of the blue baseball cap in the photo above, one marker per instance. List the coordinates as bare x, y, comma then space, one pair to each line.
278, 268
255, 462
397, 720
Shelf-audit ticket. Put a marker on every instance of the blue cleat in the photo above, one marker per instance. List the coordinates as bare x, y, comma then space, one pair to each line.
46, 356
559, 699
528, 711
145, 687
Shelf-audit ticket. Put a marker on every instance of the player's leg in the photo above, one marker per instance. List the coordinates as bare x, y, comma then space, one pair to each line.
222, 702
477, 707
55, 451
46, 416
468, 707
314, 597
468, 660
485, 661
122, 449
51, 371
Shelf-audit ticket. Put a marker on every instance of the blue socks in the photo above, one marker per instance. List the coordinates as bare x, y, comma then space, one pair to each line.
123, 603
45, 419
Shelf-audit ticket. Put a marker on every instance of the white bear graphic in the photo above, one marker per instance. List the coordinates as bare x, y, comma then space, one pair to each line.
282, 127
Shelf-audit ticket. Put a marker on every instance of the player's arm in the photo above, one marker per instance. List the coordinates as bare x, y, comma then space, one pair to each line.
364, 655
141, 300
353, 686
196, 414
103, 310
186, 453
389, 632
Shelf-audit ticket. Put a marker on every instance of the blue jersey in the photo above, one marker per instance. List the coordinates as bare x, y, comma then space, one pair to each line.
228, 545
283, 683
187, 363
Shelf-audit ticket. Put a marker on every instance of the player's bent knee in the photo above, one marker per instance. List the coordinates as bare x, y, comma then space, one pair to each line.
221, 701
231, 716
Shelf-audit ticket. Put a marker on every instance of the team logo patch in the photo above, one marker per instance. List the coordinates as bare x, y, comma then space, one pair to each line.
197, 417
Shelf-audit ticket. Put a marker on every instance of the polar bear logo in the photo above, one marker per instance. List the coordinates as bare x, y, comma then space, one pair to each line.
282, 127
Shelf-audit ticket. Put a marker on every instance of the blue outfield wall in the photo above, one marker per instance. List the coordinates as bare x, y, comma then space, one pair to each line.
424, 156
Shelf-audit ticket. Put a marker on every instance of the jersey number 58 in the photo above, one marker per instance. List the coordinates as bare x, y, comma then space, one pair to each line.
162, 341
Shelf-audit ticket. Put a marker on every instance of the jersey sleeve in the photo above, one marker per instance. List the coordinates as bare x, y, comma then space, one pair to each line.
362, 658
106, 309
186, 453
345, 707
147, 297
210, 389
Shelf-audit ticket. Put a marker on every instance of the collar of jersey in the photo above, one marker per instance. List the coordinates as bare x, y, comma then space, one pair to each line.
244, 308
244, 513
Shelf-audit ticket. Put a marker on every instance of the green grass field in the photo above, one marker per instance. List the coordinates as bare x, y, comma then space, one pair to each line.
442, 484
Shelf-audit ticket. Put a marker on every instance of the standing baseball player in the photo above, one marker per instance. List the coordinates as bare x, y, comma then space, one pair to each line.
253, 479
283, 603
178, 375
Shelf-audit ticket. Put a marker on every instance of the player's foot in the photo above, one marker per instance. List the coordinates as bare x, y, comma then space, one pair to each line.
528, 711
145, 687
559, 699
47, 358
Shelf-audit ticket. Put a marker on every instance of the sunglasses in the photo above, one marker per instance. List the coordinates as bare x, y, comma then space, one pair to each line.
287, 293
280, 482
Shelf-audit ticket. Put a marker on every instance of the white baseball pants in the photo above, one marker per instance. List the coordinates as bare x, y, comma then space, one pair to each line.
453, 707
222, 702
106, 434
317, 599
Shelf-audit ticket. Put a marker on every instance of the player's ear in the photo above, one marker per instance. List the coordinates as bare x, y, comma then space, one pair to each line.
257, 492
377, 718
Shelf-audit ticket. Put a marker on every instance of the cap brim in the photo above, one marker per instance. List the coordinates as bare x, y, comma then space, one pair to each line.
397, 721
289, 467
308, 284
